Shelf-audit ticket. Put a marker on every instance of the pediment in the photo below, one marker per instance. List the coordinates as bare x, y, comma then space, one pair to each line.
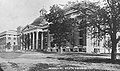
28, 27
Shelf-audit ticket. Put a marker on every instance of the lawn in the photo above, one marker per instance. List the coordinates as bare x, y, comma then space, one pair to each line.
10, 55
79, 62
61, 62
91, 58
52, 67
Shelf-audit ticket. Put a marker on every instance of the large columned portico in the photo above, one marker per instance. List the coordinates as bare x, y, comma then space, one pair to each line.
36, 34
35, 40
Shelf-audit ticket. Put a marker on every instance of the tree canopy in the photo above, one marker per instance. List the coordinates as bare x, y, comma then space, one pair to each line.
61, 26
90, 15
106, 19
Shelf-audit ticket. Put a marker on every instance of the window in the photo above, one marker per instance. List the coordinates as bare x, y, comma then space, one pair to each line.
81, 41
119, 45
9, 37
119, 49
96, 42
14, 43
81, 33
14, 38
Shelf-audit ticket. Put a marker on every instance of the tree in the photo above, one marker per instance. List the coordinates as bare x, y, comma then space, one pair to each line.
106, 19
61, 27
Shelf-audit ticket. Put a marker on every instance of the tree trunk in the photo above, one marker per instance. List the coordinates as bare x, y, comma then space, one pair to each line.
114, 45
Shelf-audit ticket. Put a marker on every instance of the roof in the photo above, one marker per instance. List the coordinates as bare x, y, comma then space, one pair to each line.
39, 21
14, 32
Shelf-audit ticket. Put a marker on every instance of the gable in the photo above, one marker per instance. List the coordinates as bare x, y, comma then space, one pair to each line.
28, 27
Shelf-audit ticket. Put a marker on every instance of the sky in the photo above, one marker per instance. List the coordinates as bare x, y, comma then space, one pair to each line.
14, 13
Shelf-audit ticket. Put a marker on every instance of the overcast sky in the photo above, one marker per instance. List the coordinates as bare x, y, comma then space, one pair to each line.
14, 13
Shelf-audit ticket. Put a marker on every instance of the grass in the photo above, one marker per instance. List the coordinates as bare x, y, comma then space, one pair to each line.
76, 57
67, 59
10, 55
91, 60
51, 67
86, 54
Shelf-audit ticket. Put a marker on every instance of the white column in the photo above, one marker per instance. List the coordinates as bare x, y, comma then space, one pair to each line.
25, 42
21, 41
30, 41
42, 40
28, 35
36, 39
33, 41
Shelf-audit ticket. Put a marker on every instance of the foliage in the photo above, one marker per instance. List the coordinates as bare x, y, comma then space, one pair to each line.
106, 19
61, 27
90, 15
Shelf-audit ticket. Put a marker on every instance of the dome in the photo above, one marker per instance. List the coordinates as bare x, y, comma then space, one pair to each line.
43, 12
39, 21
